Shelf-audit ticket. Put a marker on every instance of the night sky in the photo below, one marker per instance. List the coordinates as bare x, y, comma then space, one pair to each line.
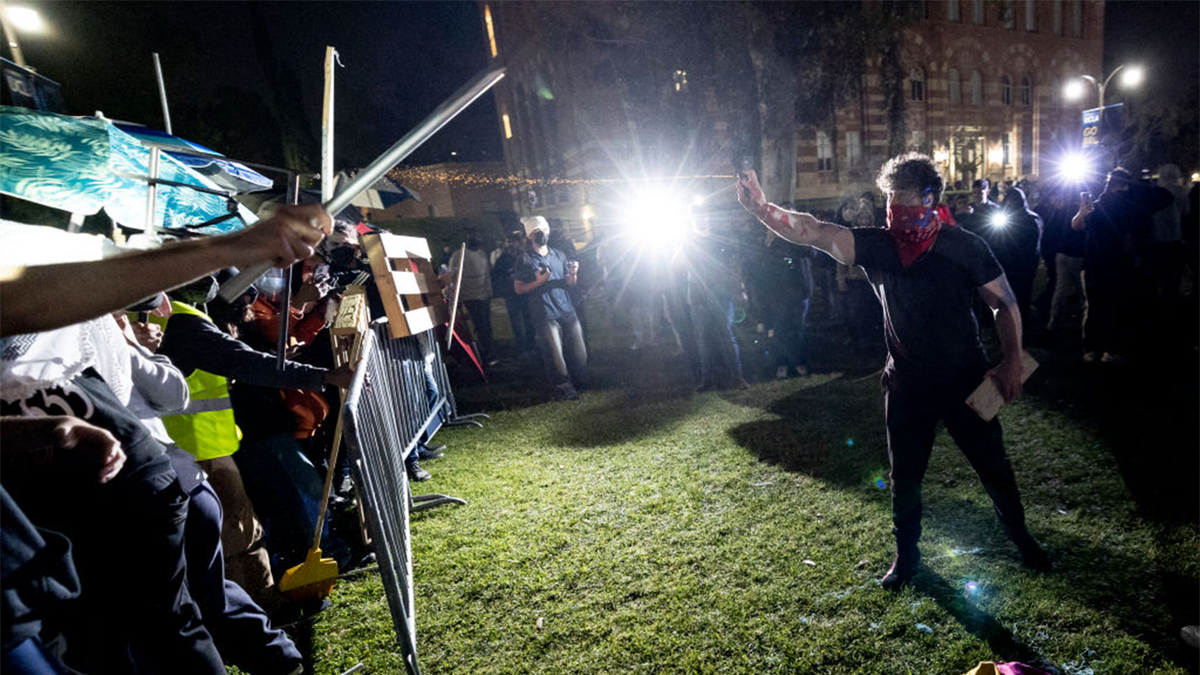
401, 60
228, 64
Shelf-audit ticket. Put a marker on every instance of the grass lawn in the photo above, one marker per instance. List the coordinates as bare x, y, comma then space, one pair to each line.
646, 529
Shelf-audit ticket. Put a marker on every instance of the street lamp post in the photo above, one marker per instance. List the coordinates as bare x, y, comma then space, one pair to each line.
1132, 77
14, 19
1074, 89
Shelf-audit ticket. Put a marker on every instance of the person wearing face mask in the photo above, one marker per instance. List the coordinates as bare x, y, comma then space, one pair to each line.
543, 275
927, 273
210, 358
1117, 226
476, 291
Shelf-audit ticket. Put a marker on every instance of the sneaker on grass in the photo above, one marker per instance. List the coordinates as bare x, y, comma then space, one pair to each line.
415, 472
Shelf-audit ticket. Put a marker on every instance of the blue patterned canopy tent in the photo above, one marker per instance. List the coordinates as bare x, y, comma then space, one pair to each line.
84, 164
224, 172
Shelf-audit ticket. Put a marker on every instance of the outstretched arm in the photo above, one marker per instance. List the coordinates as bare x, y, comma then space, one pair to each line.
796, 227
38, 298
999, 296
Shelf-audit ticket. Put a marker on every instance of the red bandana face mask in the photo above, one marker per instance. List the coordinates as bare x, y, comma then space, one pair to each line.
915, 228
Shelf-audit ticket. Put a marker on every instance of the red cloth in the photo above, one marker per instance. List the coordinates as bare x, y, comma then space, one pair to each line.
915, 228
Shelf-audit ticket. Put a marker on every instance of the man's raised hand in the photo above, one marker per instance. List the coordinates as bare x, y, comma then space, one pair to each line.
291, 235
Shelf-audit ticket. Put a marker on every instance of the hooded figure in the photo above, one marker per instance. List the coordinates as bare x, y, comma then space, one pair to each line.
1016, 235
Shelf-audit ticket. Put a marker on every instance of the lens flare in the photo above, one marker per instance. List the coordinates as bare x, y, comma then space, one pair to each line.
1074, 167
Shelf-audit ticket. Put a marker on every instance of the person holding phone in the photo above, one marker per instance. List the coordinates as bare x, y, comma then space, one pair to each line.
544, 274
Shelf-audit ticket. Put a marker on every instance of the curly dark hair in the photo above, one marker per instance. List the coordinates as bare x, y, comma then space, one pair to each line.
912, 171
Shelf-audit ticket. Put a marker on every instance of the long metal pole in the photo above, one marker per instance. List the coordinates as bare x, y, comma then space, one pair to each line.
162, 94
152, 193
285, 301
394, 155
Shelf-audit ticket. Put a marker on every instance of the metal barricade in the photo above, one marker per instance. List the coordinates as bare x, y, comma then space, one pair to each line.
390, 408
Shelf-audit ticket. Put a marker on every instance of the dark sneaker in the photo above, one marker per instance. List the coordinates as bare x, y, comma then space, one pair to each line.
904, 568
415, 472
424, 452
565, 392
1032, 555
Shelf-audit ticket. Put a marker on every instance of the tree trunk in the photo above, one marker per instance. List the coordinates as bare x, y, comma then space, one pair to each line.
775, 83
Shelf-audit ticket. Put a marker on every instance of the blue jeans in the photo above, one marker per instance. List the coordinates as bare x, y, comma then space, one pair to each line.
240, 628
563, 351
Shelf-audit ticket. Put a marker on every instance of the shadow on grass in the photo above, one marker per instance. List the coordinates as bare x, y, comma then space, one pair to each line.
1147, 416
1001, 642
614, 418
832, 431
1131, 590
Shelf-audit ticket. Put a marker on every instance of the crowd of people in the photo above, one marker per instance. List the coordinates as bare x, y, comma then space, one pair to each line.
701, 298
151, 414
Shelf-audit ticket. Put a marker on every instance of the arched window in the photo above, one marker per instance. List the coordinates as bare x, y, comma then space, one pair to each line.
917, 80
952, 10
1005, 90
955, 86
1026, 91
977, 12
976, 88
1056, 93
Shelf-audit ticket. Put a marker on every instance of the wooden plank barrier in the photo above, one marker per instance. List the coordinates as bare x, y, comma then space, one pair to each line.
407, 281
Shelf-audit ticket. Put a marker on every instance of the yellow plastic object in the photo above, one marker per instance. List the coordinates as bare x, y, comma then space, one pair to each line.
311, 579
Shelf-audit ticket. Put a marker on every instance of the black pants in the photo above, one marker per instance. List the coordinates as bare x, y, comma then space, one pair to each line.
1107, 313
913, 409
239, 627
481, 317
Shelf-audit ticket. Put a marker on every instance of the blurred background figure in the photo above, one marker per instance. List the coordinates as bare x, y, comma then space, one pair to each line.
476, 291
1016, 234
514, 305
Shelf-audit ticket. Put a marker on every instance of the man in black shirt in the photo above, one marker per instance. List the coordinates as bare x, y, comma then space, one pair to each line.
927, 274
1117, 228
543, 275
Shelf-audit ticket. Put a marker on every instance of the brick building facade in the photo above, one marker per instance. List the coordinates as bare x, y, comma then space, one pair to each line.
598, 93
983, 96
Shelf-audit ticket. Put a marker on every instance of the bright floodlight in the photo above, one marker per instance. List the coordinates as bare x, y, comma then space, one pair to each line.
657, 220
1074, 168
1132, 76
1074, 90
25, 20
999, 219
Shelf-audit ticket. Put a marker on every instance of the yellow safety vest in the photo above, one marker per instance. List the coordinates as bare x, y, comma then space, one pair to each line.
206, 427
